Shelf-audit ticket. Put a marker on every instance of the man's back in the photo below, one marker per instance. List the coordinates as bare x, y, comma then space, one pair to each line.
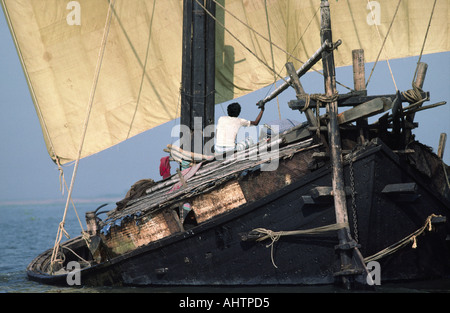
227, 129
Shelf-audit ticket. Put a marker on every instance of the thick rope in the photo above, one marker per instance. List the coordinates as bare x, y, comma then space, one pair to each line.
318, 97
61, 229
276, 235
403, 242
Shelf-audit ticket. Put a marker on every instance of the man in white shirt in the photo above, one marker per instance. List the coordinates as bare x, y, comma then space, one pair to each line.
228, 127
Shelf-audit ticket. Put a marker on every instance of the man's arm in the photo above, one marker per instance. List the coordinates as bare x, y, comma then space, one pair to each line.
258, 118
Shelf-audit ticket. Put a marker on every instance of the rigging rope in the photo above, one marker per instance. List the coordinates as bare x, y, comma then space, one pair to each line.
383, 43
239, 41
403, 242
424, 40
271, 53
260, 35
61, 229
143, 70
276, 235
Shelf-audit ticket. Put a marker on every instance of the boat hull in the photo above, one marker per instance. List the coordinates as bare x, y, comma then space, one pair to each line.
213, 253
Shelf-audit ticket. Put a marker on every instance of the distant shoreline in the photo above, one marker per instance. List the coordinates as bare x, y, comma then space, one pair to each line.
111, 199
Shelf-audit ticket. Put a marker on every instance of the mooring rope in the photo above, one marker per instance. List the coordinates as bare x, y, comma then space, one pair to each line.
403, 242
276, 235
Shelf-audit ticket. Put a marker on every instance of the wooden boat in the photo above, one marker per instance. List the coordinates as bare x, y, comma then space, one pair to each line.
219, 247
311, 204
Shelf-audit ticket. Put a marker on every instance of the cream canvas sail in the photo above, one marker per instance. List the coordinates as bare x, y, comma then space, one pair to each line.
137, 85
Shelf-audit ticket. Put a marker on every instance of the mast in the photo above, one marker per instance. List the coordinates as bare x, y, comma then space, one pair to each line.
346, 245
198, 74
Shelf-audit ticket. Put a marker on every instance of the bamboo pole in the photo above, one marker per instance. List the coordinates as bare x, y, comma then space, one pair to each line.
304, 68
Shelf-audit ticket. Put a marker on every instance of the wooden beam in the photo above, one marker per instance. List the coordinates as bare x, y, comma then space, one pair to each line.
304, 69
300, 92
365, 110
186, 73
418, 82
340, 205
210, 70
198, 71
441, 148
359, 77
359, 84
351, 99
400, 188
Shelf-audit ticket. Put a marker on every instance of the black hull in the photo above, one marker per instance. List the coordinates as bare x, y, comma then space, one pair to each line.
213, 252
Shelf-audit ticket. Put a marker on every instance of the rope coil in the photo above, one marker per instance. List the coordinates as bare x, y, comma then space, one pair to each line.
318, 97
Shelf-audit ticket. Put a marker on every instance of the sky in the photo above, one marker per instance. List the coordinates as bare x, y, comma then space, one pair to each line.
27, 174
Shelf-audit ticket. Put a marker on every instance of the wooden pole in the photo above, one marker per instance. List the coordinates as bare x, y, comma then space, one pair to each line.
441, 148
359, 83
186, 74
334, 136
300, 92
303, 69
359, 75
418, 82
210, 70
198, 73
420, 75
198, 77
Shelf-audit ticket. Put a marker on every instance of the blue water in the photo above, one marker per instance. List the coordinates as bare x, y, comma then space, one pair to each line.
26, 230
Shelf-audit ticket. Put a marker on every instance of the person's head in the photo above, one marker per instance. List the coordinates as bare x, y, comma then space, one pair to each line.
234, 109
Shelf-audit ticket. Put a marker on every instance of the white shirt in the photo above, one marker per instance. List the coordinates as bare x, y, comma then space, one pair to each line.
227, 129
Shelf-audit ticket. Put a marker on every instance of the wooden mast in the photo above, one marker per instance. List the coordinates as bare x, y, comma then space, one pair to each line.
347, 245
359, 84
198, 73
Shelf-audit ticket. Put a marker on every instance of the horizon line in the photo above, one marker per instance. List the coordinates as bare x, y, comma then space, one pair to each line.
60, 201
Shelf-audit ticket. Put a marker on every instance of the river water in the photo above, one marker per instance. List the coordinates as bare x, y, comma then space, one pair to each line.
26, 230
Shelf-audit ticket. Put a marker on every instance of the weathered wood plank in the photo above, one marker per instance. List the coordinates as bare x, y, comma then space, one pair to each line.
364, 110
351, 99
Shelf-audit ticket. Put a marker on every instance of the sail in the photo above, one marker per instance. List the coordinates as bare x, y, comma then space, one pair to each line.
128, 69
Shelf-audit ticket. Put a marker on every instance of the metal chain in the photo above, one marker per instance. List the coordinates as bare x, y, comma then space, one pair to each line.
352, 185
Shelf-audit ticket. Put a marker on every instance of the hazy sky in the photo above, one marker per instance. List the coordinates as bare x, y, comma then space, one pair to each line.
27, 172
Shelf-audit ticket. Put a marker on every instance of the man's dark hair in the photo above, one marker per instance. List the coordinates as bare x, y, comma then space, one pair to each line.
234, 109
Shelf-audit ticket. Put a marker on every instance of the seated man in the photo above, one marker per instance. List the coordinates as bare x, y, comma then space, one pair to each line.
228, 127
